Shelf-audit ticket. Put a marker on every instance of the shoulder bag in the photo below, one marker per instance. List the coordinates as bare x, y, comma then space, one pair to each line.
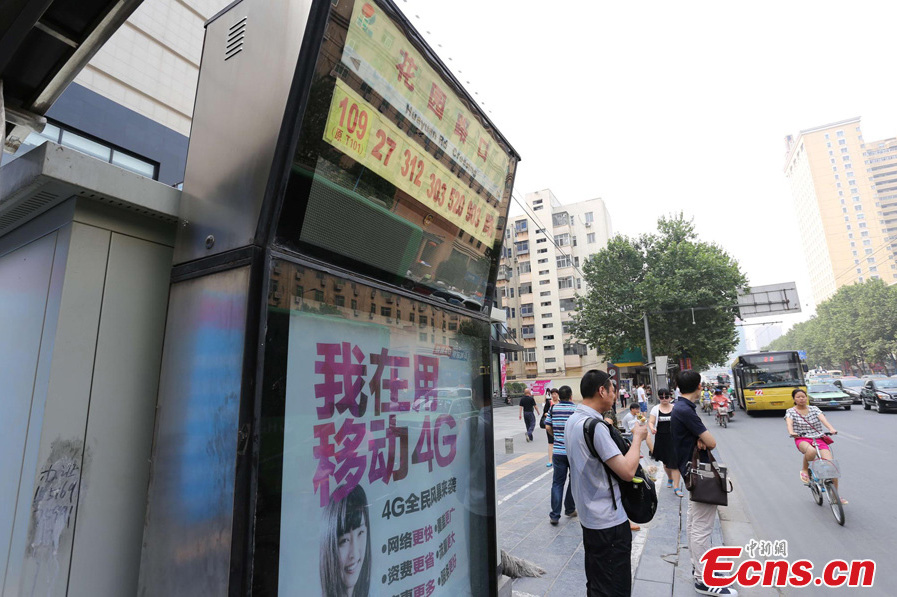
544, 414
638, 496
707, 482
826, 438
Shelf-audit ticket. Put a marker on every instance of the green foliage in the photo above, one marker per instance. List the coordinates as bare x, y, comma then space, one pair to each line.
665, 274
857, 325
514, 387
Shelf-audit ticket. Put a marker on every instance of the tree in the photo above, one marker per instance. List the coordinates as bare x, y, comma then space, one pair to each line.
666, 275
857, 325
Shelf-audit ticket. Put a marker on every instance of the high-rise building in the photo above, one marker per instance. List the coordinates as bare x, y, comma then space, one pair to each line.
845, 194
541, 274
132, 105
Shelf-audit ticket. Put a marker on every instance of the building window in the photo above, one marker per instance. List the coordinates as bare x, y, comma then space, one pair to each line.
568, 304
544, 282
840, 133
566, 282
563, 261
550, 360
546, 315
543, 261
542, 251
525, 267
560, 219
543, 272
545, 304
520, 225
590, 237
590, 217
525, 289
548, 337
546, 293
549, 347
526, 310
522, 247
562, 240
546, 326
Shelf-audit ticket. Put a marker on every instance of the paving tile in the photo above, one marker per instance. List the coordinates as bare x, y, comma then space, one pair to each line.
653, 568
646, 588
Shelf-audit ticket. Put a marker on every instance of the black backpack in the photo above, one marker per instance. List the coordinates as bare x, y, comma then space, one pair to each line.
638, 496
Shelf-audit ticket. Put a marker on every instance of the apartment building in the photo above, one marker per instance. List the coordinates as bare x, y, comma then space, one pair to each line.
845, 194
541, 274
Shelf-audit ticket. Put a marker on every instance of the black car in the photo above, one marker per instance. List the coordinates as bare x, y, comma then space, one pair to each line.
853, 387
880, 393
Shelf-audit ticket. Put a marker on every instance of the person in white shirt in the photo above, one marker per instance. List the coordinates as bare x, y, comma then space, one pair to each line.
606, 534
630, 420
642, 398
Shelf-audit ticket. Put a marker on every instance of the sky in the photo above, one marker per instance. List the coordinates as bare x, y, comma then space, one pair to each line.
660, 106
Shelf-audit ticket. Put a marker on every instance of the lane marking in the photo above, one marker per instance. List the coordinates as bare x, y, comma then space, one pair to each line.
509, 496
515, 464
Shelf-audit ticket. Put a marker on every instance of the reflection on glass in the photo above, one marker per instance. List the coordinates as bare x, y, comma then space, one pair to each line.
400, 170
375, 435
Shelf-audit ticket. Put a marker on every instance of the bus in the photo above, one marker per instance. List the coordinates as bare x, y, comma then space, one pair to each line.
764, 380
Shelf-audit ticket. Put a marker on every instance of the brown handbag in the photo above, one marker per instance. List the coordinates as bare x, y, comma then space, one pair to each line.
707, 482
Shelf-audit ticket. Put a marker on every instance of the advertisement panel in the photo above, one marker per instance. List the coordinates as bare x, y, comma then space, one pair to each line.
383, 485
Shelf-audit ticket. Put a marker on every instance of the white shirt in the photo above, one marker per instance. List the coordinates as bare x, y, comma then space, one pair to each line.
589, 480
642, 397
629, 421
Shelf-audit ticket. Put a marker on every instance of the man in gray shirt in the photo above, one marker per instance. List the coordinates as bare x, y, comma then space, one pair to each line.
605, 528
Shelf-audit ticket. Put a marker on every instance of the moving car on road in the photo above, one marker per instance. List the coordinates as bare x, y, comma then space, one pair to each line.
880, 393
852, 386
828, 394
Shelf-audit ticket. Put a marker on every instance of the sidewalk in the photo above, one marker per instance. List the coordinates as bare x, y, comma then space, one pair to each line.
660, 557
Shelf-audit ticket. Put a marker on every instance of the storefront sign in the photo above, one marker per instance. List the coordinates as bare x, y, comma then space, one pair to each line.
384, 447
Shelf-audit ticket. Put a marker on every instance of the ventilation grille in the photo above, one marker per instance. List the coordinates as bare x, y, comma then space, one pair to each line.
36, 203
235, 35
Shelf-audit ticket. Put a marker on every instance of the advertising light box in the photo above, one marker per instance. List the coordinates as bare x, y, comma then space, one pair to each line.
383, 484
396, 169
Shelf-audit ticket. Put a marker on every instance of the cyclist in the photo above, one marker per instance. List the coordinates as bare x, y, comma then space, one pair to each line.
805, 424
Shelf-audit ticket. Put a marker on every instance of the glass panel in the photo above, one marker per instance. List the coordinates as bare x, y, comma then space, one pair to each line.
395, 167
133, 164
97, 150
374, 433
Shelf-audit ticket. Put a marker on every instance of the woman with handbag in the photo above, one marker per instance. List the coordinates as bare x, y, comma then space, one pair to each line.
805, 424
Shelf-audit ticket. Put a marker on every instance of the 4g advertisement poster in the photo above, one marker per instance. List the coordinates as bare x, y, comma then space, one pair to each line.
384, 459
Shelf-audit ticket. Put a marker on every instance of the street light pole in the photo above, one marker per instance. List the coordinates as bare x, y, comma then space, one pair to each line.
651, 371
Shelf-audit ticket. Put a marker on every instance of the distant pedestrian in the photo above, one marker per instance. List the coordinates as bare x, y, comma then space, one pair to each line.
688, 432
605, 529
556, 422
546, 410
528, 412
642, 398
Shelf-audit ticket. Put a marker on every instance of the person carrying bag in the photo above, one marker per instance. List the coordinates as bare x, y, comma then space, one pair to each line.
707, 482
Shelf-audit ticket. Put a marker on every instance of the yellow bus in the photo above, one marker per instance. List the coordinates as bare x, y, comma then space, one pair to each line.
764, 380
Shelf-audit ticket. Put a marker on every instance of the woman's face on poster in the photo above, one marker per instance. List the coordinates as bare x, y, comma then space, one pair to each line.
352, 546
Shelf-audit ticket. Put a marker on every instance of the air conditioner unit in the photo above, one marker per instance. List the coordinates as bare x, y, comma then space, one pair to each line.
588, 224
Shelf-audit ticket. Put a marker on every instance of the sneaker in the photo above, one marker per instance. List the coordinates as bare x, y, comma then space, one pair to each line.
571, 513
548, 464
702, 589
553, 521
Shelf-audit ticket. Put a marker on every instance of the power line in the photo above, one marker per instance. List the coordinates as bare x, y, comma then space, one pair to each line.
884, 246
541, 228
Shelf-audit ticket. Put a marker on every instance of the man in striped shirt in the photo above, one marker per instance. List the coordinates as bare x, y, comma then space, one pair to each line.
555, 423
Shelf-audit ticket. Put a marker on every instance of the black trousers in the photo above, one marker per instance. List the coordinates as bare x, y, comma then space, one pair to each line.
608, 567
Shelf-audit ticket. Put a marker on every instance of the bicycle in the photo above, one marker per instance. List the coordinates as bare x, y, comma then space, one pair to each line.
822, 476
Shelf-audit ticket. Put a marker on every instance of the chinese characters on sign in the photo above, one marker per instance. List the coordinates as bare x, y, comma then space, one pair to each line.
357, 129
379, 424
